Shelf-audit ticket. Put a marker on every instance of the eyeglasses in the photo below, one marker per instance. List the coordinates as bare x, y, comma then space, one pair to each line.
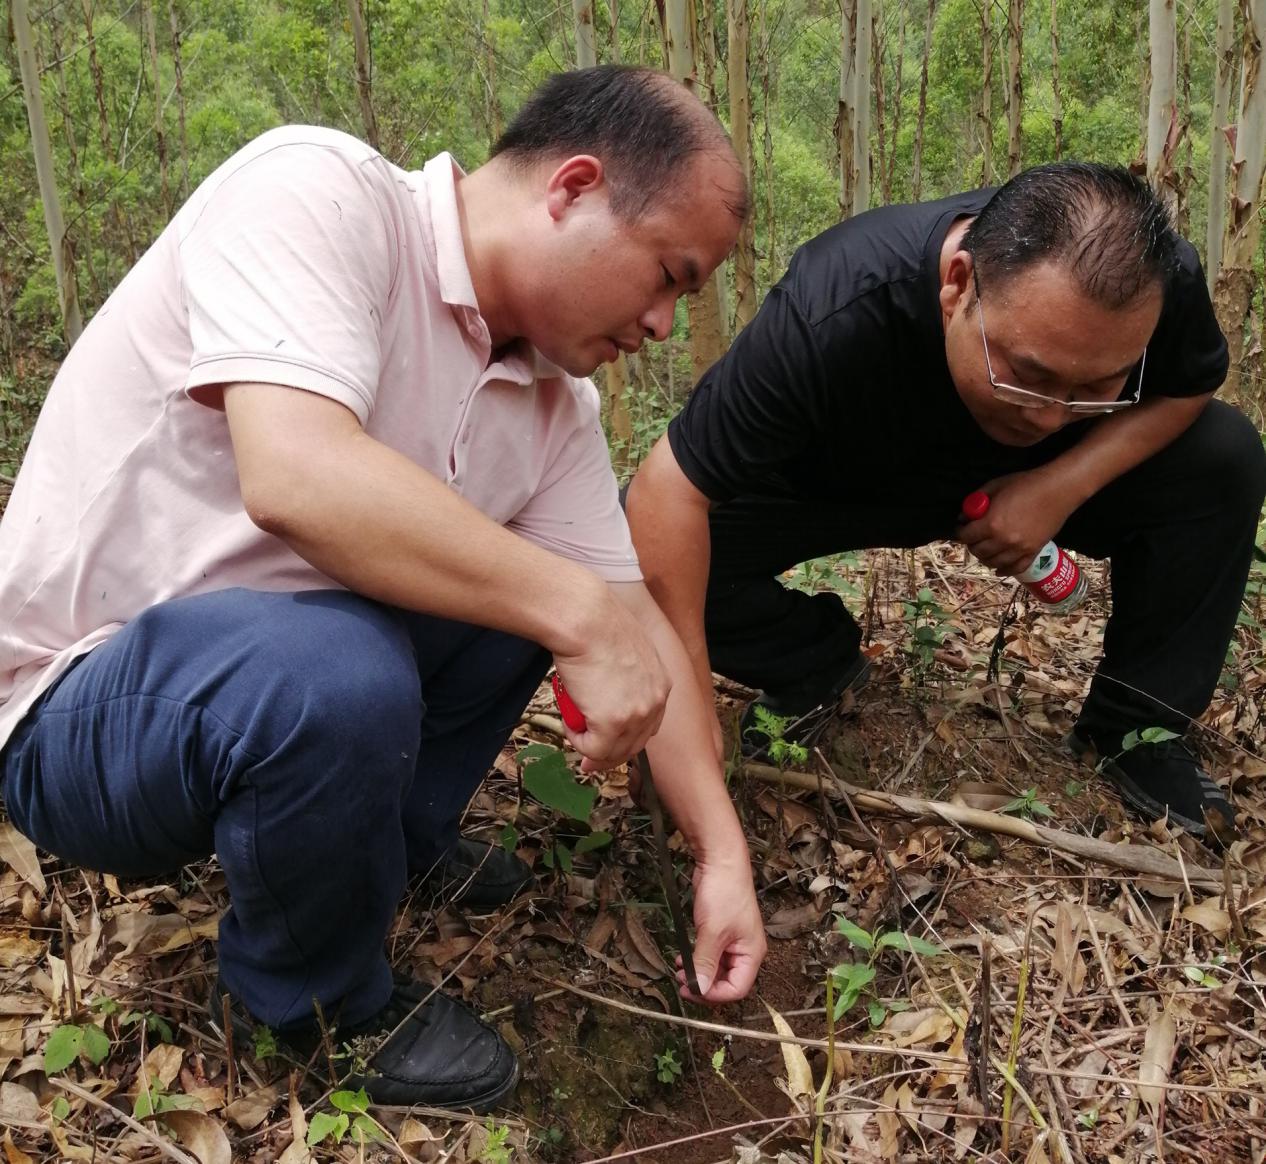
1023, 398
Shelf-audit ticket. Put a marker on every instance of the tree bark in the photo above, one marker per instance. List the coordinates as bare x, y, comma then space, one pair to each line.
846, 117
916, 176
898, 97
1015, 84
707, 334
1233, 291
1057, 107
160, 136
41, 145
613, 11
986, 94
741, 133
861, 146
1223, 66
586, 46
364, 71
767, 150
878, 46
1162, 105
174, 14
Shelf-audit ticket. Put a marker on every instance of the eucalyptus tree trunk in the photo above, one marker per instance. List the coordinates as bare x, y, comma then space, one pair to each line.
878, 47
1162, 105
42, 147
1223, 66
364, 71
741, 133
846, 117
898, 99
613, 12
1057, 99
174, 15
707, 335
986, 93
767, 151
586, 47
916, 169
861, 144
1015, 84
160, 136
1233, 291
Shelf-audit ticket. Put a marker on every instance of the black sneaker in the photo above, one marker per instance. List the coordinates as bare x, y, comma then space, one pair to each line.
1161, 779
436, 1052
808, 707
479, 876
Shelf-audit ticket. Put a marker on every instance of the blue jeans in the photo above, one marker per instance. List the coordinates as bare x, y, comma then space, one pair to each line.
324, 746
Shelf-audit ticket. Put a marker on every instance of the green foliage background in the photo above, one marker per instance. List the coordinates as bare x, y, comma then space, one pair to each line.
447, 74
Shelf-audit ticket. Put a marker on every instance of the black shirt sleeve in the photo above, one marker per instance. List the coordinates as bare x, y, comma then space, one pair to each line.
756, 407
1187, 355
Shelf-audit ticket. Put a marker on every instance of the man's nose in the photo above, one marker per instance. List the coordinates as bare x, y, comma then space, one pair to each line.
657, 321
1050, 417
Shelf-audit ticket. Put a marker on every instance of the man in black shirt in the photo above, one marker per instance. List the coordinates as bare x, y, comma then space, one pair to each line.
1052, 343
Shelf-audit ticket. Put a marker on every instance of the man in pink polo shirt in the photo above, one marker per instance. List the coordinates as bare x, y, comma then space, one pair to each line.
312, 506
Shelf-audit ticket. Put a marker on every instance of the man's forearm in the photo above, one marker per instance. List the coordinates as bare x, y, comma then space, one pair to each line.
669, 520
1119, 443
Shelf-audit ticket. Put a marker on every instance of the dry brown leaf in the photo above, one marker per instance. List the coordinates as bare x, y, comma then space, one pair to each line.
298, 1152
799, 1074
600, 932
19, 950
202, 1135
1158, 1054
154, 934
19, 854
1208, 915
69, 1151
794, 921
13, 1154
638, 947
1067, 964
18, 1105
889, 1125
417, 1139
1037, 1153
163, 1064
248, 1111
986, 796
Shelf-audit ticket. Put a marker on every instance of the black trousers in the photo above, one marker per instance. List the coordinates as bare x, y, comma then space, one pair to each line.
1178, 530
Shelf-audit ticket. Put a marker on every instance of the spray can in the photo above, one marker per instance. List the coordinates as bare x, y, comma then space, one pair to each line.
1053, 578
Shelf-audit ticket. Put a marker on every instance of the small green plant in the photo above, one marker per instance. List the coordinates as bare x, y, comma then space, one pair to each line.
547, 777
154, 1024
72, 1041
928, 624
263, 1043
1027, 805
497, 1148
351, 1116
59, 1109
773, 727
667, 1067
1201, 976
823, 574
155, 1100
851, 980
1074, 788
1151, 735
1088, 1119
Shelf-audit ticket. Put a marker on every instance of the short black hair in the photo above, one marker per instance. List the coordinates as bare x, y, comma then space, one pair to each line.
1102, 223
638, 122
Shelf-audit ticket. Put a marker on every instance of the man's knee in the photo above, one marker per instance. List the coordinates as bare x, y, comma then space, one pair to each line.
1223, 446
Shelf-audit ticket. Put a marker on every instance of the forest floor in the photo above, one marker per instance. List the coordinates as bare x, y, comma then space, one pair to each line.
1075, 1011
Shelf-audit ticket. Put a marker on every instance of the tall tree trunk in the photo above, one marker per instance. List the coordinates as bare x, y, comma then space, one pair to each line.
1162, 106
741, 132
160, 136
492, 105
42, 147
613, 11
916, 174
364, 71
878, 46
861, 146
1233, 292
1015, 84
898, 99
846, 116
125, 239
707, 336
1057, 106
986, 93
1184, 170
1223, 66
174, 14
767, 150
586, 46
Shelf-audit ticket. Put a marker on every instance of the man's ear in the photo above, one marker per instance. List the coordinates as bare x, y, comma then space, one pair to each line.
956, 287
578, 176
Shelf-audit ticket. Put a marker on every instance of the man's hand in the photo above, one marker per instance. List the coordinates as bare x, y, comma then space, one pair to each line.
729, 933
1026, 510
621, 687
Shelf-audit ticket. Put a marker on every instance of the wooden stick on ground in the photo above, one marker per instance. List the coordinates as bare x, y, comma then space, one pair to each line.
1132, 858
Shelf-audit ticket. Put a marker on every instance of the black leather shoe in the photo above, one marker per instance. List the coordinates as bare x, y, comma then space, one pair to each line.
479, 875
1158, 780
436, 1052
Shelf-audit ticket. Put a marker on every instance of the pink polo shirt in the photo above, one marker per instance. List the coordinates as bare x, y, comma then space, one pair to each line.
308, 260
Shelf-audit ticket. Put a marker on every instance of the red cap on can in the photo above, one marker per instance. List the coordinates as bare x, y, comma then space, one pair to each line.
975, 505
